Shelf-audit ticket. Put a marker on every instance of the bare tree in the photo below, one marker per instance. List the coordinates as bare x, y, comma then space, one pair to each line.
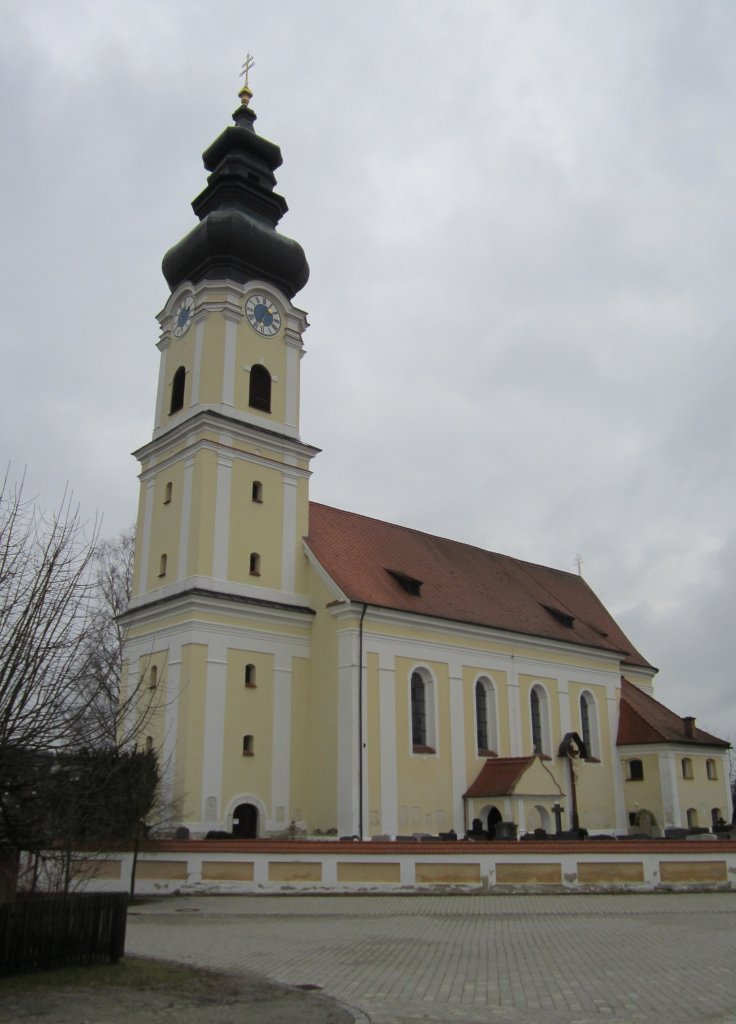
69, 772
45, 611
103, 722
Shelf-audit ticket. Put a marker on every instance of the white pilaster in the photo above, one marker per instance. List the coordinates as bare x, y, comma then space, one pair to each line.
457, 742
387, 744
291, 384
146, 539
668, 783
228, 370
214, 726
565, 711
281, 733
186, 509
197, 368
171, 722
612, 702
161, 389
514, 710
221, 540
348, 810
288, 535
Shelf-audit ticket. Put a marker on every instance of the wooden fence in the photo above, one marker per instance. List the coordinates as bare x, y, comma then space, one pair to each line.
41, 932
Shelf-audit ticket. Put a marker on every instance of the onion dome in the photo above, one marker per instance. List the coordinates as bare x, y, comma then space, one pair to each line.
238, 212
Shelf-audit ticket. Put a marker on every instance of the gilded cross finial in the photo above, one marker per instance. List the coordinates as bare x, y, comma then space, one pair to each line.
246, 93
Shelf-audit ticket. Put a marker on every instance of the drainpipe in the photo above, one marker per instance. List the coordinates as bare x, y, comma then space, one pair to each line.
360, 722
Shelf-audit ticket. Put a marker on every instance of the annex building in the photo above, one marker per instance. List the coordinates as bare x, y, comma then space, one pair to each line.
314, 669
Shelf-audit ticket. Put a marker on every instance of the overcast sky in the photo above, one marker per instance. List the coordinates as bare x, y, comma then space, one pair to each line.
520, 220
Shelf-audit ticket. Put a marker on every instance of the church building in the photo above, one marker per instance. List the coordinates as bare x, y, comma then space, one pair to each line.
314, 670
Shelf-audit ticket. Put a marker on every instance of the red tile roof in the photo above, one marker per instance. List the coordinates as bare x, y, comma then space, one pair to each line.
642, 719
499, 776
367, 559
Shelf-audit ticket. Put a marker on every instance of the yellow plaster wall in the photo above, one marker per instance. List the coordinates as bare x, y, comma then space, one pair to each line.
213, 358
595, 785
321, 720
179, 353
252, 348
294, 871
202, 513
424, 780
542, 778
152, 701
162, 869
301, 573
473, 761
447, 874
248, 711
645, 794
364, 871
701, 792
299, 765
190, 732
254, 526
610, 872
528, 874
227, 871
691, 871
526, 682
373, 740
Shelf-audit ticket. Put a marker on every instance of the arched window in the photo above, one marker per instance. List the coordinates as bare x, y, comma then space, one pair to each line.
422, 713
259, 395
255, 564
589, 725
687, 768
162, 565
540, 720
177, 390
485, 717
250, 676
257, 492
153, 677
636, 770
711, 768
692, 818
247, 746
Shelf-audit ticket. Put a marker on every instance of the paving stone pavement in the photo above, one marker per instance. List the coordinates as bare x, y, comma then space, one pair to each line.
394, 959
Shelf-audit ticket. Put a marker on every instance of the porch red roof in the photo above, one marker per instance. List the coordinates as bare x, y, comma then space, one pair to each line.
642, 719
498, 776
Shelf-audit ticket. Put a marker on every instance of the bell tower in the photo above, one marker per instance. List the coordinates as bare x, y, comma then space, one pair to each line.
224, 497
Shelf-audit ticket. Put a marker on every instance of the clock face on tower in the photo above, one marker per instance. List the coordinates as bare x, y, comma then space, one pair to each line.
183, 316
262, 315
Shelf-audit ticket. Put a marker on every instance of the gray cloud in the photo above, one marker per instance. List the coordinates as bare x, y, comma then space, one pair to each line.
520, 223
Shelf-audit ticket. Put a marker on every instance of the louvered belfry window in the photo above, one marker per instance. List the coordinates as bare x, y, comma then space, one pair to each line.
259, 396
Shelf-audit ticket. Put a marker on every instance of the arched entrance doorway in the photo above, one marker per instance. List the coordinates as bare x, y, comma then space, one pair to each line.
245, 821
494, 817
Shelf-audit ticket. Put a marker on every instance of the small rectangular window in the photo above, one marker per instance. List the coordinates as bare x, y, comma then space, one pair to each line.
636, 771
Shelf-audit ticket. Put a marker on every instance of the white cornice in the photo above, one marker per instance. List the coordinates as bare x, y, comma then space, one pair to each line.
197, 631
221, 588
220, 419
672, 747
230, 301
609, 661
157, 605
